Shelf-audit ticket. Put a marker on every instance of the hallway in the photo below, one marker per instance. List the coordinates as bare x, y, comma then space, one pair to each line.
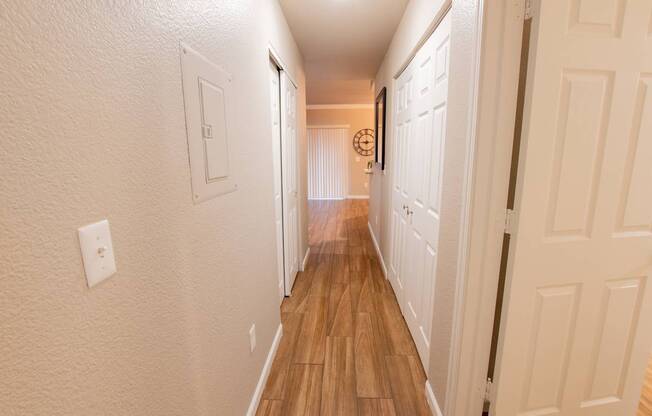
346, 349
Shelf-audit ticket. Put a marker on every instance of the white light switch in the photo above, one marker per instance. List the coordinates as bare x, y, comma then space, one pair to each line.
97, 252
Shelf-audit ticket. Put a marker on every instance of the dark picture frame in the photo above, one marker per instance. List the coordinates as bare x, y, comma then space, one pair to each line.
380, 117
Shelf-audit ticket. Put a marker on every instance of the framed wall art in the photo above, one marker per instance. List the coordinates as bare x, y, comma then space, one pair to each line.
380, 120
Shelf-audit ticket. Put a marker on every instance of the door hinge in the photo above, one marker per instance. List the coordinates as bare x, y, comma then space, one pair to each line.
510, 216
487, 390
527, 14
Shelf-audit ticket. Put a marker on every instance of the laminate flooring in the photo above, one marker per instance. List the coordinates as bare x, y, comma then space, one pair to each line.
645, 406
346, 349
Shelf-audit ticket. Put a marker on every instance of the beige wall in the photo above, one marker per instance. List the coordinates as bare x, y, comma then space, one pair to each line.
417, 23
357, 119
93, 127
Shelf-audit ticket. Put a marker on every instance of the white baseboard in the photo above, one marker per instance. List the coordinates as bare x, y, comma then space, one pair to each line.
380, 254
304, 263
357, 197
255, 400
327, 199
432, 400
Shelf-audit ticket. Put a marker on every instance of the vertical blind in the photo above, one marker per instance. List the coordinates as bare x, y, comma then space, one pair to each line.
327, 163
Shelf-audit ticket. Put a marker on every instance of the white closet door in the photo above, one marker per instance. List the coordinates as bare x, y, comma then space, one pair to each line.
420, 104
289, 179
327, 163
275, 94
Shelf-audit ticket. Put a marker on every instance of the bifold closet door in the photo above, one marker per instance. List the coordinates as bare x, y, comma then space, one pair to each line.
327, 164
420, 105
289, 180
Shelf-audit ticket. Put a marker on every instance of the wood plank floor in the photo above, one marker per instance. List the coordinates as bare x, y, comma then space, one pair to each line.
645, 407
346, 349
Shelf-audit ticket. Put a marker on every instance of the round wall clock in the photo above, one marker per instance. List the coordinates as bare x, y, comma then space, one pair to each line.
363, 142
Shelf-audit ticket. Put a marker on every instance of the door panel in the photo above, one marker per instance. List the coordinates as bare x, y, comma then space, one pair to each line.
634, 208
399, 192
421, 99
275, 93
289, 179
575, 335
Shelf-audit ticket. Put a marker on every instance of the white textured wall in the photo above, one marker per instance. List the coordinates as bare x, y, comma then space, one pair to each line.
418, 17
92, 121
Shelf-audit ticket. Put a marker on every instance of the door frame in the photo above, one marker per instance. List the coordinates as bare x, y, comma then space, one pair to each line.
277, 175
275, 57
500, 29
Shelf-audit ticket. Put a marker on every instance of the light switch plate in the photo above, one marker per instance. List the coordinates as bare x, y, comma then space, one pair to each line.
97, 252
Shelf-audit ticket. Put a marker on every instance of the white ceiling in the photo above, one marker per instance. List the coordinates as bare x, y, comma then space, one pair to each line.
343, 43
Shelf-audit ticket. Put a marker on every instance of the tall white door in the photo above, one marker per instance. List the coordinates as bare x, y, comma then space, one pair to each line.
403, 99
577, 323
420, 103
289, 179
327, 163
275, 94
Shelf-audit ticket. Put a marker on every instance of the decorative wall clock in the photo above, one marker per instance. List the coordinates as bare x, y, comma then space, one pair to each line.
363, 142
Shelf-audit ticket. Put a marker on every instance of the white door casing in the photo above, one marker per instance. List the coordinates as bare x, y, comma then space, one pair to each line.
275, 93
421, 104
327, 162
289, 179
576, 330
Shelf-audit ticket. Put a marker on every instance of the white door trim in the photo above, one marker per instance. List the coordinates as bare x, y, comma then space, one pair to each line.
486, 198
276, 57
275, 91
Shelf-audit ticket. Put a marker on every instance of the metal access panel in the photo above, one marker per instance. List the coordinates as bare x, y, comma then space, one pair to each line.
209, 125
